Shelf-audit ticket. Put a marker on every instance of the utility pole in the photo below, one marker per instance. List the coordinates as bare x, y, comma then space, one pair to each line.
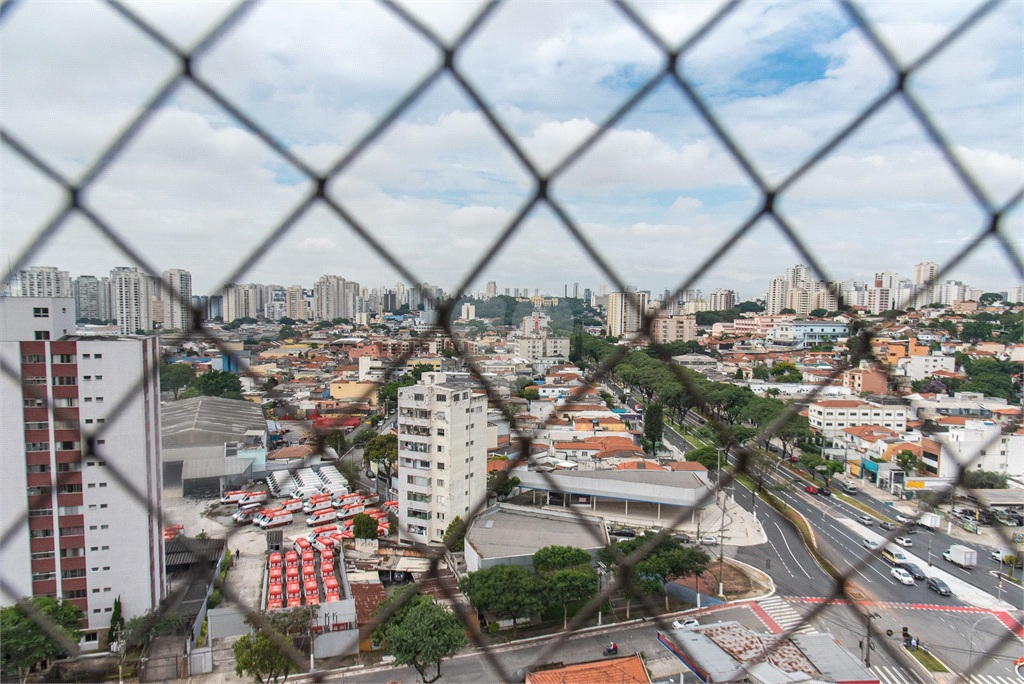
866, 643
721, 527
120, 653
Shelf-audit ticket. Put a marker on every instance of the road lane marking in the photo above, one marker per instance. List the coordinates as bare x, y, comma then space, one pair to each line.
791, 551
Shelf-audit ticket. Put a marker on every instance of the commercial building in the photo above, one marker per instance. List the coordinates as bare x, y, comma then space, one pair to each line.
442, 455
802, 334
90, 536
833, 415
506, 534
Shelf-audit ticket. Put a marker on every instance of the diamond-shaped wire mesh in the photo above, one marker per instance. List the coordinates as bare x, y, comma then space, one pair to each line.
673, 73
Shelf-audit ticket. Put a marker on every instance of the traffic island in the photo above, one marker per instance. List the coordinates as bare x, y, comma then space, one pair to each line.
928, 661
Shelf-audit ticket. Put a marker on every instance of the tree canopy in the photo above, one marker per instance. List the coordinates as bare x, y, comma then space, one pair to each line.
382, 450
555, 557
669, 559
364, 527
455, 535
653, 426
420, 633
175, 376
261, 658
26, 645
508, 591
216, 383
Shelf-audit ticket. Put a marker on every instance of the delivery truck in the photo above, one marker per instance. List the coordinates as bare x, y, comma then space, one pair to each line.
929, 520
963, 556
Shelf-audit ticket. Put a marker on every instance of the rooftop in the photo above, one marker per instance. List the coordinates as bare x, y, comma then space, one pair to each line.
507, 530
625, 670
208, 420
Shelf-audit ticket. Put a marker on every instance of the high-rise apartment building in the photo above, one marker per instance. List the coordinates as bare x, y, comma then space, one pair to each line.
295, 306
241, 301
177, 299
720, 300
626, 311
133, 291
44, 281
92, 298
1015, 294
492, 289
330, 297
87, 538
925, 272
775, 300
442, 455
667, 329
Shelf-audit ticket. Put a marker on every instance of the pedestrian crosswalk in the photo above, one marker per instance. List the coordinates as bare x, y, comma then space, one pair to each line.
784, 615
899, 675
894, 675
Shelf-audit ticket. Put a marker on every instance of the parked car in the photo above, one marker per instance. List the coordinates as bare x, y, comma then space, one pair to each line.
685, 623
810, 489
869, 544
866, 520
708, 539
938, 586
682, 538
903, 541
624, 532
916, 572
902, 519
823, 491
887, 525
902, 576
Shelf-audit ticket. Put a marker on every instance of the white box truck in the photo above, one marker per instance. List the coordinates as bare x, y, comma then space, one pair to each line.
961, 555
929, 520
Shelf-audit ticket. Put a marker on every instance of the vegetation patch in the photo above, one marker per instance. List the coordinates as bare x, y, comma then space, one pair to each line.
928, 660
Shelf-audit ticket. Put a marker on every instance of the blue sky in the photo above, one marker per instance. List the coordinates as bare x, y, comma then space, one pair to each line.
656, 195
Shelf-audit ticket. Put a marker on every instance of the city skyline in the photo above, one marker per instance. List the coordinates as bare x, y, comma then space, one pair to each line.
656, 181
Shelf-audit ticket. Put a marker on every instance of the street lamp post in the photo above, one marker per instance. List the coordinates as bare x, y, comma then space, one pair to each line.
721, 528
970, 658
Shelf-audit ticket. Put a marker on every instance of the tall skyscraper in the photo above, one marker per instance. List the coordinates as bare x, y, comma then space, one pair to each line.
241, 301
625, 312
492, 289
329, 298
44, 281
177, 299
133, 291
775, 300
575, 290
720, 300
442, 455
87, 539
91, 298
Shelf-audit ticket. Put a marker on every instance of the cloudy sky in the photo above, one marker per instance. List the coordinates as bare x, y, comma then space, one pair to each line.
656, 195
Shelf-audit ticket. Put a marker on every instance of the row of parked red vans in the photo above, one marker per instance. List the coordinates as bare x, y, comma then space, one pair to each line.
292, 577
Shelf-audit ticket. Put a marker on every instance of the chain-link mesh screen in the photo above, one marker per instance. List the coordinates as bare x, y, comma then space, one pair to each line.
673, 73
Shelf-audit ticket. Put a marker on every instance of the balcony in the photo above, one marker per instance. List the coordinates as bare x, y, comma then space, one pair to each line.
413, 422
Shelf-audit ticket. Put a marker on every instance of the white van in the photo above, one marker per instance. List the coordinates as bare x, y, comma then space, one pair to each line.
321, 517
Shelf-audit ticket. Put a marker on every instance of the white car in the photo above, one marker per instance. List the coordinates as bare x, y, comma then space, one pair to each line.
708, 539
686, 623
869, 544
902, 519
902, 575
903, 541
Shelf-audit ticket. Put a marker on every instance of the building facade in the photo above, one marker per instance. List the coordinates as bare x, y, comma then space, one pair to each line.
667, 329
133, 292
830, 416
177, 298
44, 281
442, 455
625, 312
88, 537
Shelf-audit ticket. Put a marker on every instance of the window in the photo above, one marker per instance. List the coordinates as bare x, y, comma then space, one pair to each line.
43, 576
91, 485
72, 553
64, 380
72, 574
92, 527
63, 358
33, 380
106, 567
99, 400
440, 448
97, 356
69, 467
39, 491
440, 466
417, 397
40, 534
105, 548
101, 441
40, 512
42, 334
37, 446
95, 591
42, 555
33, 403
37, 425
72, 531
440, 432
99, 377
101, 420
442, 397
85, 356
69, 510
86, 377
65, 425
68, 402
33, 358
106, 589
40, 312
88, 399
104, 527
69, 489
88, 421
107, 610
102, 485
94, 548
440, 483
37, 469
440, 516
102, 506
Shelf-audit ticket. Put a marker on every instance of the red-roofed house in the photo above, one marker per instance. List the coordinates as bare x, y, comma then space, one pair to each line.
627, 670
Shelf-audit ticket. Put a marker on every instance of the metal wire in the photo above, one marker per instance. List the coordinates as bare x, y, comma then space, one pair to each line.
672, 72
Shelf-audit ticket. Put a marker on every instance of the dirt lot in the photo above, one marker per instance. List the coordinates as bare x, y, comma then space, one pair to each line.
737, 581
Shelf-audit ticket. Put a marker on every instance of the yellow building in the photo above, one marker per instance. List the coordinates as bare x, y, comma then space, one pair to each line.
365, 391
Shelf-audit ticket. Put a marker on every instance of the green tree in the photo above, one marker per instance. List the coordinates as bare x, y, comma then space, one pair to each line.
522, 383
261, 658
818, 313
669, 559
362, 437
351, 471
286, 333
216, 383
364, 527
569, 585
706, 455
382, 450
654, 425
508, 591
337, 441
26, 645
984, 479
760, 373
116, 622
505, 488
176, 376
530, 394
989, 298
551, 558
420, 633
455, 535
907, 460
